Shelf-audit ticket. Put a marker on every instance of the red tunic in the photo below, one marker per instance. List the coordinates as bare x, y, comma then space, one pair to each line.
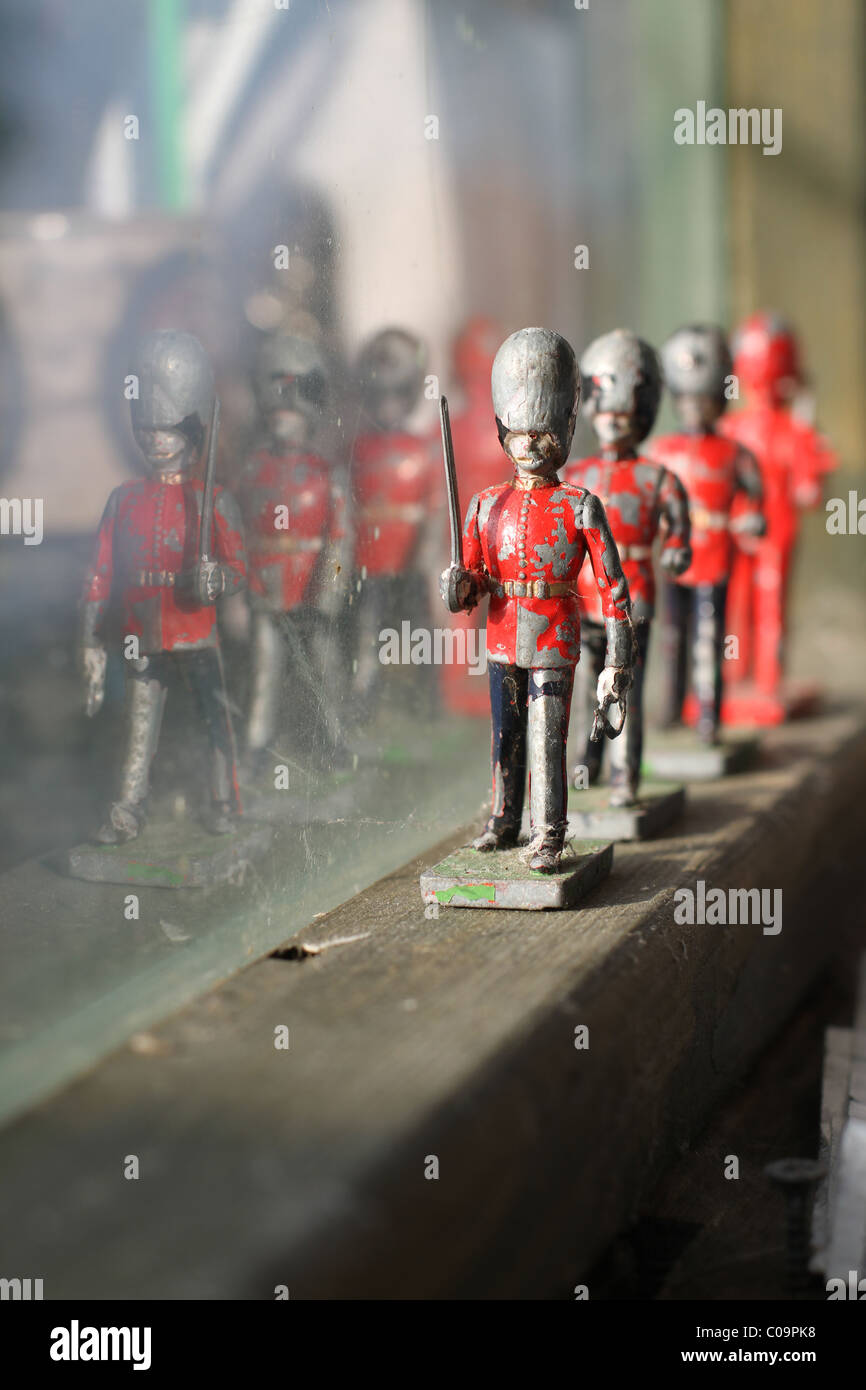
531, 538
291, 513
793, 459
396, 486
146, 547
639, 499
723, 486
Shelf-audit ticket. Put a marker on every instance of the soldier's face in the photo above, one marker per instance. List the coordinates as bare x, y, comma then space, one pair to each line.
613, 427
164, 450
289, 427
390, 408
533, 451
289, 424
697, 412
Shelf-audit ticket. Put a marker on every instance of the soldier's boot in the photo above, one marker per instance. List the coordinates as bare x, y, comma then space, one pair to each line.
546, 853
123, 823
549, 706
145, 702
623, 788
496, 835
220, 818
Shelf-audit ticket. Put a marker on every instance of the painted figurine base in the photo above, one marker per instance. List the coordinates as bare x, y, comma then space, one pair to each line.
744, 706
590, 815
679, 755
171, 855
468, 878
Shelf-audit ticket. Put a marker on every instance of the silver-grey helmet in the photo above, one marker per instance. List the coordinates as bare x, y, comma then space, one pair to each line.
175, 384
621, 375
291, 374
697, 361
536, 386
391, 363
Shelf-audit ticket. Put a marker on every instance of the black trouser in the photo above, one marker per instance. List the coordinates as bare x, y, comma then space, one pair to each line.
626, 751
529, 711
695, 619
149, 679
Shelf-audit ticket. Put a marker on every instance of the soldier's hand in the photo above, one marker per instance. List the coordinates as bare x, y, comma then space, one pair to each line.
208, 581
676, 559
612, 689
93, 663
613, 683
747, 532
459, 588
752, 524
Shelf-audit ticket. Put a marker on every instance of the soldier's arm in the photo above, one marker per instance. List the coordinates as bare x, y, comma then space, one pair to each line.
461, 586
813, 460
673, 503
747, 518
229, 546
613, 589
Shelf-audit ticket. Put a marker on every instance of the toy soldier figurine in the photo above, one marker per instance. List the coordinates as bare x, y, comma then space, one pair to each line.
725, 495
523, 543
293, 515
168, 546
392, 481
622, 386
793, 460
479, 463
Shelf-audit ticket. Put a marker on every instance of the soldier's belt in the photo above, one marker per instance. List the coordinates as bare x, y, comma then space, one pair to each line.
158, 579
534, 588
709, 521
635, 552
285, 545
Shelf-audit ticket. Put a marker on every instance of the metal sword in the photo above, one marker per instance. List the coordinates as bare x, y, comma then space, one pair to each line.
451, 484
450, 595
205, 531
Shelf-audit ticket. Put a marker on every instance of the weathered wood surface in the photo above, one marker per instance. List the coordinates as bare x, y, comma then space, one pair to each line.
452, 1038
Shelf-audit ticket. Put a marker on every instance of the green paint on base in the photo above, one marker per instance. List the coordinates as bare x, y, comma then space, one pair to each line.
477, 891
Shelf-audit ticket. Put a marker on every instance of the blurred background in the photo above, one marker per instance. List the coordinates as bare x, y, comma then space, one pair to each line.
424, 164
